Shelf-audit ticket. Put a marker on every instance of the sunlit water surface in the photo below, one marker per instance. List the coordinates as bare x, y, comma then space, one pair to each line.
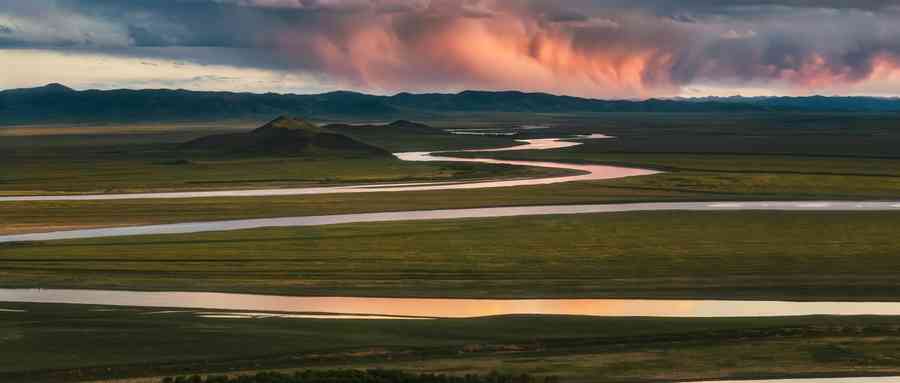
448, 308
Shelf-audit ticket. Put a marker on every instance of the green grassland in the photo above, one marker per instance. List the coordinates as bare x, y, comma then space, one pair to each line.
706, 157
123, 173
746, 255
43, 216
740, 255
47, 343
781, 156
45, 160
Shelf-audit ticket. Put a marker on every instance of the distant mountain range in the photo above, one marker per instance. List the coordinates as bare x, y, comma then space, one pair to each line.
58, 103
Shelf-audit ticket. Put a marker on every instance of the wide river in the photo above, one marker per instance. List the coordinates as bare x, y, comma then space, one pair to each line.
446, 307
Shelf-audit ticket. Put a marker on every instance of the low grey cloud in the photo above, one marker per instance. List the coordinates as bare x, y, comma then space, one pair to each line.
600, 47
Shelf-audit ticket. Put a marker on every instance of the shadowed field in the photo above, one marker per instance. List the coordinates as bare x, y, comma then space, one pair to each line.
46, 343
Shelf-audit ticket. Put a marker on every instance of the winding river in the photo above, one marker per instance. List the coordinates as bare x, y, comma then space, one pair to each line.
248, 306
421, 215
587, 173
382, 308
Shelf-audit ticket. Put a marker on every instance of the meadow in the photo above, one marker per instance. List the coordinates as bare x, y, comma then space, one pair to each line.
123, 159
47, 343
705, 157
745, 255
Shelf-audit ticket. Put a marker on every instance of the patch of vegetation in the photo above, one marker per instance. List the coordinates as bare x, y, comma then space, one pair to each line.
66, 343
771, 255
357, 376
406, 136
774, 156
179, 161
285, 153
835, 353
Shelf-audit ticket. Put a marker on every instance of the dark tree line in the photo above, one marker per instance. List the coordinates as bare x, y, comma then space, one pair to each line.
360, 376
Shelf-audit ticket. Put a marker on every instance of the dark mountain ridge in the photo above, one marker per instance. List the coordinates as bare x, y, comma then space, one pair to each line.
58, 103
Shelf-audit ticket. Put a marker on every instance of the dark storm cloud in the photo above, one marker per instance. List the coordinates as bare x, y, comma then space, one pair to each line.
602, 47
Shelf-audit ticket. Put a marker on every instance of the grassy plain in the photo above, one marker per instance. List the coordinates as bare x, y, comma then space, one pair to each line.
758, 255
47, 343
776, 155
771, 255
707, 157
47, 160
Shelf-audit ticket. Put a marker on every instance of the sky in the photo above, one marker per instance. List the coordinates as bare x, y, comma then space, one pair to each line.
591, 48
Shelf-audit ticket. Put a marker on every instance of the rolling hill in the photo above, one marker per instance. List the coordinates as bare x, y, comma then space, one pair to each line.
286, 136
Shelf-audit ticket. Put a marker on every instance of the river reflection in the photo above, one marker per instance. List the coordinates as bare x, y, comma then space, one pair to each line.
449, 308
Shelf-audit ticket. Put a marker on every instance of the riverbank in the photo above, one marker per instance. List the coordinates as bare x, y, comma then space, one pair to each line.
717, 255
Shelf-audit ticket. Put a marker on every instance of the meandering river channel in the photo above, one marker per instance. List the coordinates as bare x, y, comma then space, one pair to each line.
261, 306
420, 215
587, 173
447, 308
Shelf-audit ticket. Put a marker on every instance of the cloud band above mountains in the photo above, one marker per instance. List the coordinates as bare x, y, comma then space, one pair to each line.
602, 48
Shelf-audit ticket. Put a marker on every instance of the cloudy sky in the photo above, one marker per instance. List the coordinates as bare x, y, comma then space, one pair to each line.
594, 48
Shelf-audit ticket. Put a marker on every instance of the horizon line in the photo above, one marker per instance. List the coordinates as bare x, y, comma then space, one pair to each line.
672, 98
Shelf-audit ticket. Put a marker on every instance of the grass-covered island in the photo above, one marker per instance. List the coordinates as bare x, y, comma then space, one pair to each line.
746, 255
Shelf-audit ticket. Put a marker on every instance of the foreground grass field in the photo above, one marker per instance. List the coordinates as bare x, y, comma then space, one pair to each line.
772, 255
46, 343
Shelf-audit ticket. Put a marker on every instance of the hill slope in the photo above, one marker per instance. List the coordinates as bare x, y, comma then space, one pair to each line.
406, 136
399, 126
286, 136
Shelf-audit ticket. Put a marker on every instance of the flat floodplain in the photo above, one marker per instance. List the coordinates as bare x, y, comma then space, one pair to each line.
129, 159
744, 254
46, 343
706, 157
